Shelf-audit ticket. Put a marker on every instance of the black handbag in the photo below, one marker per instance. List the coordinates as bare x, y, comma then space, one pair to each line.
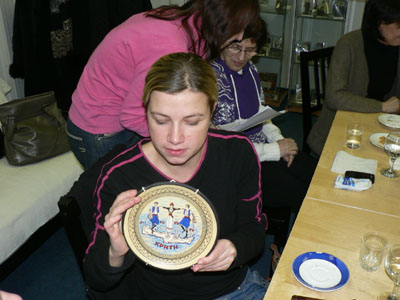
33, 128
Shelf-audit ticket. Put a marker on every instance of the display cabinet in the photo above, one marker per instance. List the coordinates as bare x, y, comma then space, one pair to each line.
295, 26
318, 24
273, 59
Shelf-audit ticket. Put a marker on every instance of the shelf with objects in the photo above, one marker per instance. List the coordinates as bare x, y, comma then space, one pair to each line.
271, 60
318, 24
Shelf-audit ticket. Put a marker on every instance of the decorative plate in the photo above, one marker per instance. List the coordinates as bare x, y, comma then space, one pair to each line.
378, 139
320, 271
390, 120
172, 227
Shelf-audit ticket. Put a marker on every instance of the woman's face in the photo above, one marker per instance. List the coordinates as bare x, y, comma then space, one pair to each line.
391, 33
237, 60
178, 125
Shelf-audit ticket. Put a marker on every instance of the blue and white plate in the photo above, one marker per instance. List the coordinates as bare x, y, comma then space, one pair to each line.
321, 271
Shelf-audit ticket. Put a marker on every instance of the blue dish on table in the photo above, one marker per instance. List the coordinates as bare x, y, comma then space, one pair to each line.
321, 271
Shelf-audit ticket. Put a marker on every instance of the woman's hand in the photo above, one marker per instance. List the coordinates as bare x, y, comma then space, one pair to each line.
391, 106
220, 259
9, 296
113, 226
288, 149
289, 159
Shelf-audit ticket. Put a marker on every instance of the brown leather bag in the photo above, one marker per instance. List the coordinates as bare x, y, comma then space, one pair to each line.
33, 128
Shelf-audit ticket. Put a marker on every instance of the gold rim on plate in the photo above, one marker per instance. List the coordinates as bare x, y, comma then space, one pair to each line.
172, 227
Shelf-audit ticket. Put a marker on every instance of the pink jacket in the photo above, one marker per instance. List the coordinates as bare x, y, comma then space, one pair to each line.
108, 97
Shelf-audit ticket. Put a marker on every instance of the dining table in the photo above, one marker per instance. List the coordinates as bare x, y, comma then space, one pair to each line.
333, 220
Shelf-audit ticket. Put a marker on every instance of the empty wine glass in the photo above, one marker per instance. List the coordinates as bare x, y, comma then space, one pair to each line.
392, 267
392, 148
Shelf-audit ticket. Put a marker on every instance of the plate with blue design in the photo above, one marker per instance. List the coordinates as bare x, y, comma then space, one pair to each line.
321, 271
172, 227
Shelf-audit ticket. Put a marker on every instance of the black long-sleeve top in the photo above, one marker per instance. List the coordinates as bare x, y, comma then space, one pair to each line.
229, 176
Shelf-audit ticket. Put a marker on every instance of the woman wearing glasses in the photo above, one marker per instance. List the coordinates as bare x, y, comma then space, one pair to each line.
284, 179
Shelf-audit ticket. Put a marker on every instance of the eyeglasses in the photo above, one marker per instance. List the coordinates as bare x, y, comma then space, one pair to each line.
234, 48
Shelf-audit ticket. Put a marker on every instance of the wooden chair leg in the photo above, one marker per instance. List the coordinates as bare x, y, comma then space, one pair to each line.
70, 213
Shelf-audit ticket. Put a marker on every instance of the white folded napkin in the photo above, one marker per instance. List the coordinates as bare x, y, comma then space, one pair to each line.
346, 162
352, 184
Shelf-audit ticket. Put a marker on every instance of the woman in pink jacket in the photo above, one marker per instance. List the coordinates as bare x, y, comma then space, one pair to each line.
107, 107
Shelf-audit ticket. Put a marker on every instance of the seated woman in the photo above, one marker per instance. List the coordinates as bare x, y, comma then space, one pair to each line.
286, 173
363, 75
180, 96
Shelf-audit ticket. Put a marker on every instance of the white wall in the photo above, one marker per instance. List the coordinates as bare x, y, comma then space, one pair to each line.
6, 29
354, 15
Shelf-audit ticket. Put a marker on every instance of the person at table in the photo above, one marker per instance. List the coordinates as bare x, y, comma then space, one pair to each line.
363, 74
106, 106
180, 96
286, 172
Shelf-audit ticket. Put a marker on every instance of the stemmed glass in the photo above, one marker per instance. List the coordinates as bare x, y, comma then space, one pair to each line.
392, 147
392, 267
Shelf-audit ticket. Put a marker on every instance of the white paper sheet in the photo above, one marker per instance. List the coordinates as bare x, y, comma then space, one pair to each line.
263, 115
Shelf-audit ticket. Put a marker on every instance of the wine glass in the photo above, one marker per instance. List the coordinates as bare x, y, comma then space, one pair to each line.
392, 147
392, 267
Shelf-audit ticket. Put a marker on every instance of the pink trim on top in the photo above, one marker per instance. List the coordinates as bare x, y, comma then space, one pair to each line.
98, 226
260, 214
115, 157
169, 178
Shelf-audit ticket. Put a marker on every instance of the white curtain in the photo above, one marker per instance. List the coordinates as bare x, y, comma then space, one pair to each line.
6, 29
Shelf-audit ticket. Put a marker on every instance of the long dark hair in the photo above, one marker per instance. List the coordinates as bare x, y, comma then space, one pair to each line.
379, 12
214, 20
258, 33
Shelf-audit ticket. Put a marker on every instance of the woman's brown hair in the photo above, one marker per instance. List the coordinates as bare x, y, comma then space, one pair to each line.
214, 20
177, 72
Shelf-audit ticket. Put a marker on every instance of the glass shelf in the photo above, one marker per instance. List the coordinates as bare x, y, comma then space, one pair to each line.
292, 27
328, 18
269, 56
312, 30
271, 10
273, 55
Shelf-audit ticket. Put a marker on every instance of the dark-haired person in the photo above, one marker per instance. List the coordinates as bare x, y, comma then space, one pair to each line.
106, 106
364, 72
286, 172
180, 96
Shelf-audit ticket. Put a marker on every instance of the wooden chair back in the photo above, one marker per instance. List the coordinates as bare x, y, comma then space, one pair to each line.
318, 61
